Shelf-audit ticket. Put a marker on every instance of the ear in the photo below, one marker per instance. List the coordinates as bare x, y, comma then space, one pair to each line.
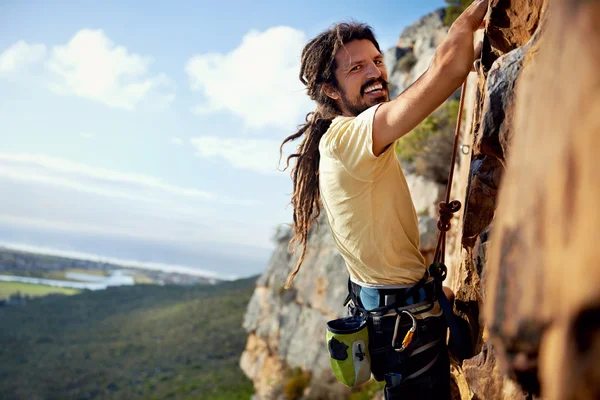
330, 91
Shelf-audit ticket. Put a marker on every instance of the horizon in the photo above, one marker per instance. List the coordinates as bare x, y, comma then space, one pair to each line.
152, 133
81, 256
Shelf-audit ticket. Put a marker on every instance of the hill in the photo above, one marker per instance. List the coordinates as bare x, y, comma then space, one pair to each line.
142, 341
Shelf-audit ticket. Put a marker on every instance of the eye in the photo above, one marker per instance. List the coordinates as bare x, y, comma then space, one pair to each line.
378, 62
355, 68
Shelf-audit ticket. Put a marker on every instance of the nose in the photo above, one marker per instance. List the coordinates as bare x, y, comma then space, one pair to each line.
373, 71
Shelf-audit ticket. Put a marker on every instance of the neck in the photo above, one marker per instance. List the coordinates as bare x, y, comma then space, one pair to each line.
345, 112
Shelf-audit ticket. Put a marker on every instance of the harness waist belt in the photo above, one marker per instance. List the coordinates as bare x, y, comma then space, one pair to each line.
388, 297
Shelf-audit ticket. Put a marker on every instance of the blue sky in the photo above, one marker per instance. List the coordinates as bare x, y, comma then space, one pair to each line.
150, 132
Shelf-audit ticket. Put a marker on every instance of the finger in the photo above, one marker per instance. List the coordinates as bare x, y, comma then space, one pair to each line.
475, 13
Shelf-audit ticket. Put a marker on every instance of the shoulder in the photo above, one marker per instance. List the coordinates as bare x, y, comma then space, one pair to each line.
364, 119
348, 129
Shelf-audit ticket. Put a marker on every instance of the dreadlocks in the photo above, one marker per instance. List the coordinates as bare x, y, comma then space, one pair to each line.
317, 69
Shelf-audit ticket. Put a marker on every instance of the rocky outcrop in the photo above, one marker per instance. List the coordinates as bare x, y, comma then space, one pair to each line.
414, 51
287, 326
510, 43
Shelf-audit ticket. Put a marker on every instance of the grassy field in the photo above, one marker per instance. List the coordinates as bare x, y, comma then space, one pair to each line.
96, 272
136, 342
32, 290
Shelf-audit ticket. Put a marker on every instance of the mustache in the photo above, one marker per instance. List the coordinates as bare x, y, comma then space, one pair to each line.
364, 87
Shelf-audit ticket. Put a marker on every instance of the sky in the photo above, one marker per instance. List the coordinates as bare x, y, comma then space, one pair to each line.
151, 133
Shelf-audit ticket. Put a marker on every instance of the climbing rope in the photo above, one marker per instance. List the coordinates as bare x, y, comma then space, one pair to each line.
447, 208
438, 269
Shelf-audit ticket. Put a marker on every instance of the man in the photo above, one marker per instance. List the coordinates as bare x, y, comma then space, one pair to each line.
346, 163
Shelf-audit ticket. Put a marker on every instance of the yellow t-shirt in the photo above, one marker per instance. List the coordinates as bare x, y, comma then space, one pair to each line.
368, 205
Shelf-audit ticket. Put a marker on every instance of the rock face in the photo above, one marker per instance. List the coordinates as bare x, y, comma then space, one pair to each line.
510, 43
512, 25
542, 303
287, 326
520, 248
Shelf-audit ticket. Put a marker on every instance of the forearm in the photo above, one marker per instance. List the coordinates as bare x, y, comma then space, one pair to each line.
404, 113
450, 67
422, 98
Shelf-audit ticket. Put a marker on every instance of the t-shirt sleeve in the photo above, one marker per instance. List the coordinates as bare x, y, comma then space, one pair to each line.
350, 140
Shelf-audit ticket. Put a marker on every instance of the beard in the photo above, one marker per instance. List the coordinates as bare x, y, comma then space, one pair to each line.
359, 103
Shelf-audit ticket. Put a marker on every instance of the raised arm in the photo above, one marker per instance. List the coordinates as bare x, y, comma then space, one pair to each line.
451, 64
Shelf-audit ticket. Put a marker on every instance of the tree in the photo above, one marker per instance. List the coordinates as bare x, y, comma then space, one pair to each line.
428, 147
454, 9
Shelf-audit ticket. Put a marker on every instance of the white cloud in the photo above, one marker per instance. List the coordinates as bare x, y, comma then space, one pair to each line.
99, 181
176, 141
163, 219
260, 155
205, 109
20, 55
92, 67
87, 135
257, 81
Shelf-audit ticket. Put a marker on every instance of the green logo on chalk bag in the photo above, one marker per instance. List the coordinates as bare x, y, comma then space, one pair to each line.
348, 345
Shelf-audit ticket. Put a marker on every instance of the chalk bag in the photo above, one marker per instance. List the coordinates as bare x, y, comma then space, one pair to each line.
348, 345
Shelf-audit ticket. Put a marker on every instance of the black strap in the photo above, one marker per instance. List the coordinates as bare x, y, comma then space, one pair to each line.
400, 300
439, 271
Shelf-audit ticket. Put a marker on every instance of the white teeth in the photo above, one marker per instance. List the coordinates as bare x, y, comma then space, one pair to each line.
374, 87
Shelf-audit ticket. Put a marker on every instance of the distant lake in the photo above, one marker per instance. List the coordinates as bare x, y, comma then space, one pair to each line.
91, 282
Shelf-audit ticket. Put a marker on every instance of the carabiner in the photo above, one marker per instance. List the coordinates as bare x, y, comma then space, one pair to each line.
409, 335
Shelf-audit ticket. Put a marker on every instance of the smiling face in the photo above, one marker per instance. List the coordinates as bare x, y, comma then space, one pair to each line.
361, 78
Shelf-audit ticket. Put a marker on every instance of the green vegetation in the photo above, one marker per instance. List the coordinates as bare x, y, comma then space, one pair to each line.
367, 391
135, 342
96, 272
142, 279
423, 212
295, 383
27, 289
406, 62
429, 145
454, 9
